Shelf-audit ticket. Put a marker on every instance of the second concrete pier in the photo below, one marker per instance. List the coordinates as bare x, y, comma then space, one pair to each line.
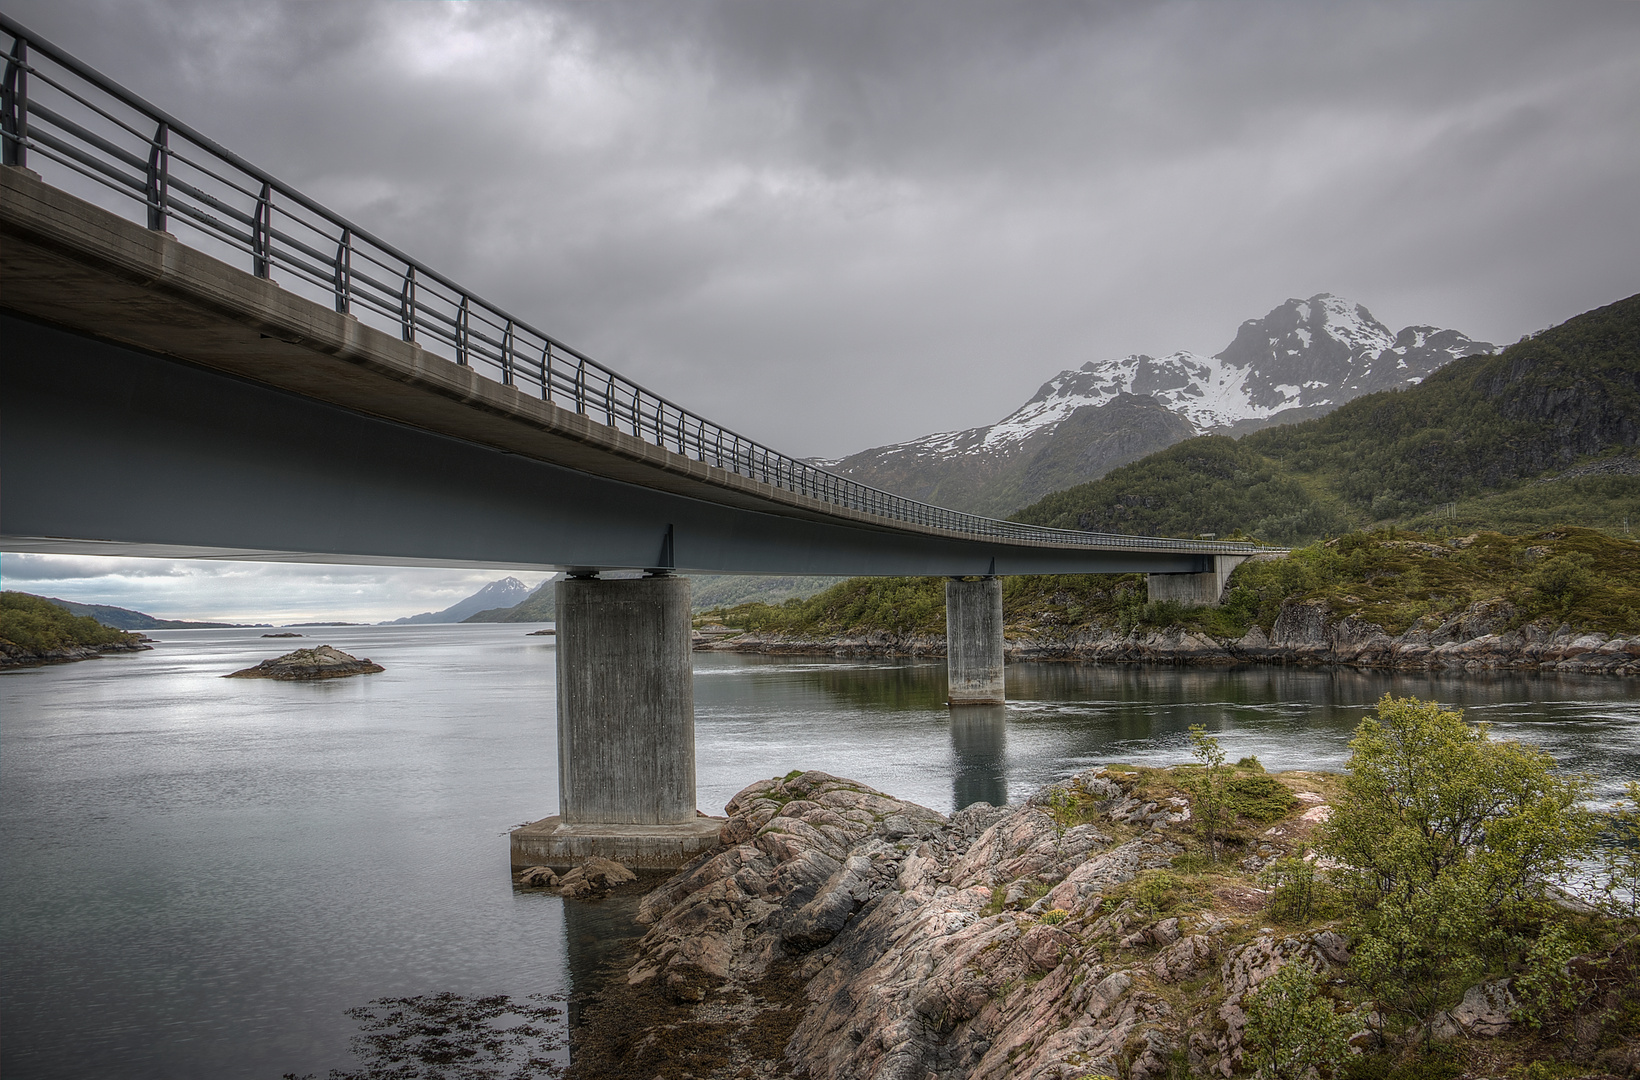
973, 641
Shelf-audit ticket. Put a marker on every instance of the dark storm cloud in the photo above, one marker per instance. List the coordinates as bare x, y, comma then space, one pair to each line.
833, 225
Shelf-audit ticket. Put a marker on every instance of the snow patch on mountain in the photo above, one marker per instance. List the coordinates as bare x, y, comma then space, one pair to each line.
1306, 353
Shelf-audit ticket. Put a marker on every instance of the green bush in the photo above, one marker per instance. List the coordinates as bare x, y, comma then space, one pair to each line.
1293, 1028
1452, 840
1294, 889
1259, 798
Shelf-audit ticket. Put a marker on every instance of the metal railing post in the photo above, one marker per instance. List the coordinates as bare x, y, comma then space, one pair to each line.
262, 234
344, 272
407, 305
507, 354
462, 315
14, 105
546, 372
159, 178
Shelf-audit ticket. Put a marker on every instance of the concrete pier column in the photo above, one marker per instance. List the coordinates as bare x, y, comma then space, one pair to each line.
626, 702
626, 729
973, 641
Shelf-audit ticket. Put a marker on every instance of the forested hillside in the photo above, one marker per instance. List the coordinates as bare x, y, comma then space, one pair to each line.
1544, 432
1577, 576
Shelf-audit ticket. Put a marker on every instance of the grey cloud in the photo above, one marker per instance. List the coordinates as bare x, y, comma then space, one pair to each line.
834, 225
23, 570
247, 591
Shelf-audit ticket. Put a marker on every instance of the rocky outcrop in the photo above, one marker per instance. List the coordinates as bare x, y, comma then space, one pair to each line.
14, 655
593, 877
1485, 636
1013, 942
306, 664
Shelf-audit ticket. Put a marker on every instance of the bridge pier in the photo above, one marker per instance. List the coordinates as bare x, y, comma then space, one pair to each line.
973, 641
1195, 590
626, 730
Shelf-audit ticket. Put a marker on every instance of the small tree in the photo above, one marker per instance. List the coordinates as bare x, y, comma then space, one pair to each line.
1451, 839
1622, 857
1293, 888
1208, 787
1292, 1027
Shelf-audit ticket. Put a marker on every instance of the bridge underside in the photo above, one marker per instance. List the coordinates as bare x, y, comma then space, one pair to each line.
111, 450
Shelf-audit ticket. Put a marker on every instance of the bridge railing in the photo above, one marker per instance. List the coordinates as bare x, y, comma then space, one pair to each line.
93, 137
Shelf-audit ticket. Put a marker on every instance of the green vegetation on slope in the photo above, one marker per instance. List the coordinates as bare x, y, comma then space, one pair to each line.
1474, 428
1447, 851
539, 606
36, 625
1577, 576
126, 619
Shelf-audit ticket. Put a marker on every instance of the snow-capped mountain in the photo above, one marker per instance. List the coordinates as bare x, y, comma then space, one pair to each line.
1301, 360
504, 593
1305, 354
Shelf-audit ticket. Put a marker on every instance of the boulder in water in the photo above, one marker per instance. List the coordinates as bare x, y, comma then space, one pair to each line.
321, 663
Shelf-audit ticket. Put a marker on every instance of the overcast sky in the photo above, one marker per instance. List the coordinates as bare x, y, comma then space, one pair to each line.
835, 225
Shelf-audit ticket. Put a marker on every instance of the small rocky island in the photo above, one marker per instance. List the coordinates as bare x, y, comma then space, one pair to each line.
323, 662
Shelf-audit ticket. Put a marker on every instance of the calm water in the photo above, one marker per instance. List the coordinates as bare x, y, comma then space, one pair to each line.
200, 875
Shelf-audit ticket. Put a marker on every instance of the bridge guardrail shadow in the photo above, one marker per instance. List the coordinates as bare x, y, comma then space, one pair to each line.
105, 144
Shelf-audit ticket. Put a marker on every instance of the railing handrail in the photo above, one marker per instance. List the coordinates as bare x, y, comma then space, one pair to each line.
360, 278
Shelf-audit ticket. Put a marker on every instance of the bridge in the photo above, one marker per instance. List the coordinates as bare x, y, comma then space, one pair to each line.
200, 361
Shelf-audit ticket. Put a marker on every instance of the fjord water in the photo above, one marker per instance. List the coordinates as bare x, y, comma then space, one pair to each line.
200, 875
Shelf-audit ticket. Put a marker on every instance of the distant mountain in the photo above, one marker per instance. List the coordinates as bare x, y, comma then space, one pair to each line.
125, 619
1302, 360
705, 591
538, 606
1545, 433
497, 594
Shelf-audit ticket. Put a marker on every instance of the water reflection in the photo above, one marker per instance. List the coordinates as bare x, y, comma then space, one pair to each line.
885, 723
596, 936
979, 752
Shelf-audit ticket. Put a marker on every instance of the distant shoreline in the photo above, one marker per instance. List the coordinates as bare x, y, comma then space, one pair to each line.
1311, 642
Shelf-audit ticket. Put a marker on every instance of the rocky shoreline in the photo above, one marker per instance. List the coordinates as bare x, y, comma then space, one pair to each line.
13, 656
1484, 637
839, 933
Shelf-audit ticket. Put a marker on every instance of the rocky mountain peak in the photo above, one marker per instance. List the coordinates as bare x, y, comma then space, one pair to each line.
1300, 360
1306, 355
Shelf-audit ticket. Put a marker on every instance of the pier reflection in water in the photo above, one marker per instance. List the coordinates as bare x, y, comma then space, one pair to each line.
979, 753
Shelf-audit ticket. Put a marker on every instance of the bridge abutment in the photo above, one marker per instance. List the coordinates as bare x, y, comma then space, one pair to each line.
626, 729
1195, 590
973, 641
